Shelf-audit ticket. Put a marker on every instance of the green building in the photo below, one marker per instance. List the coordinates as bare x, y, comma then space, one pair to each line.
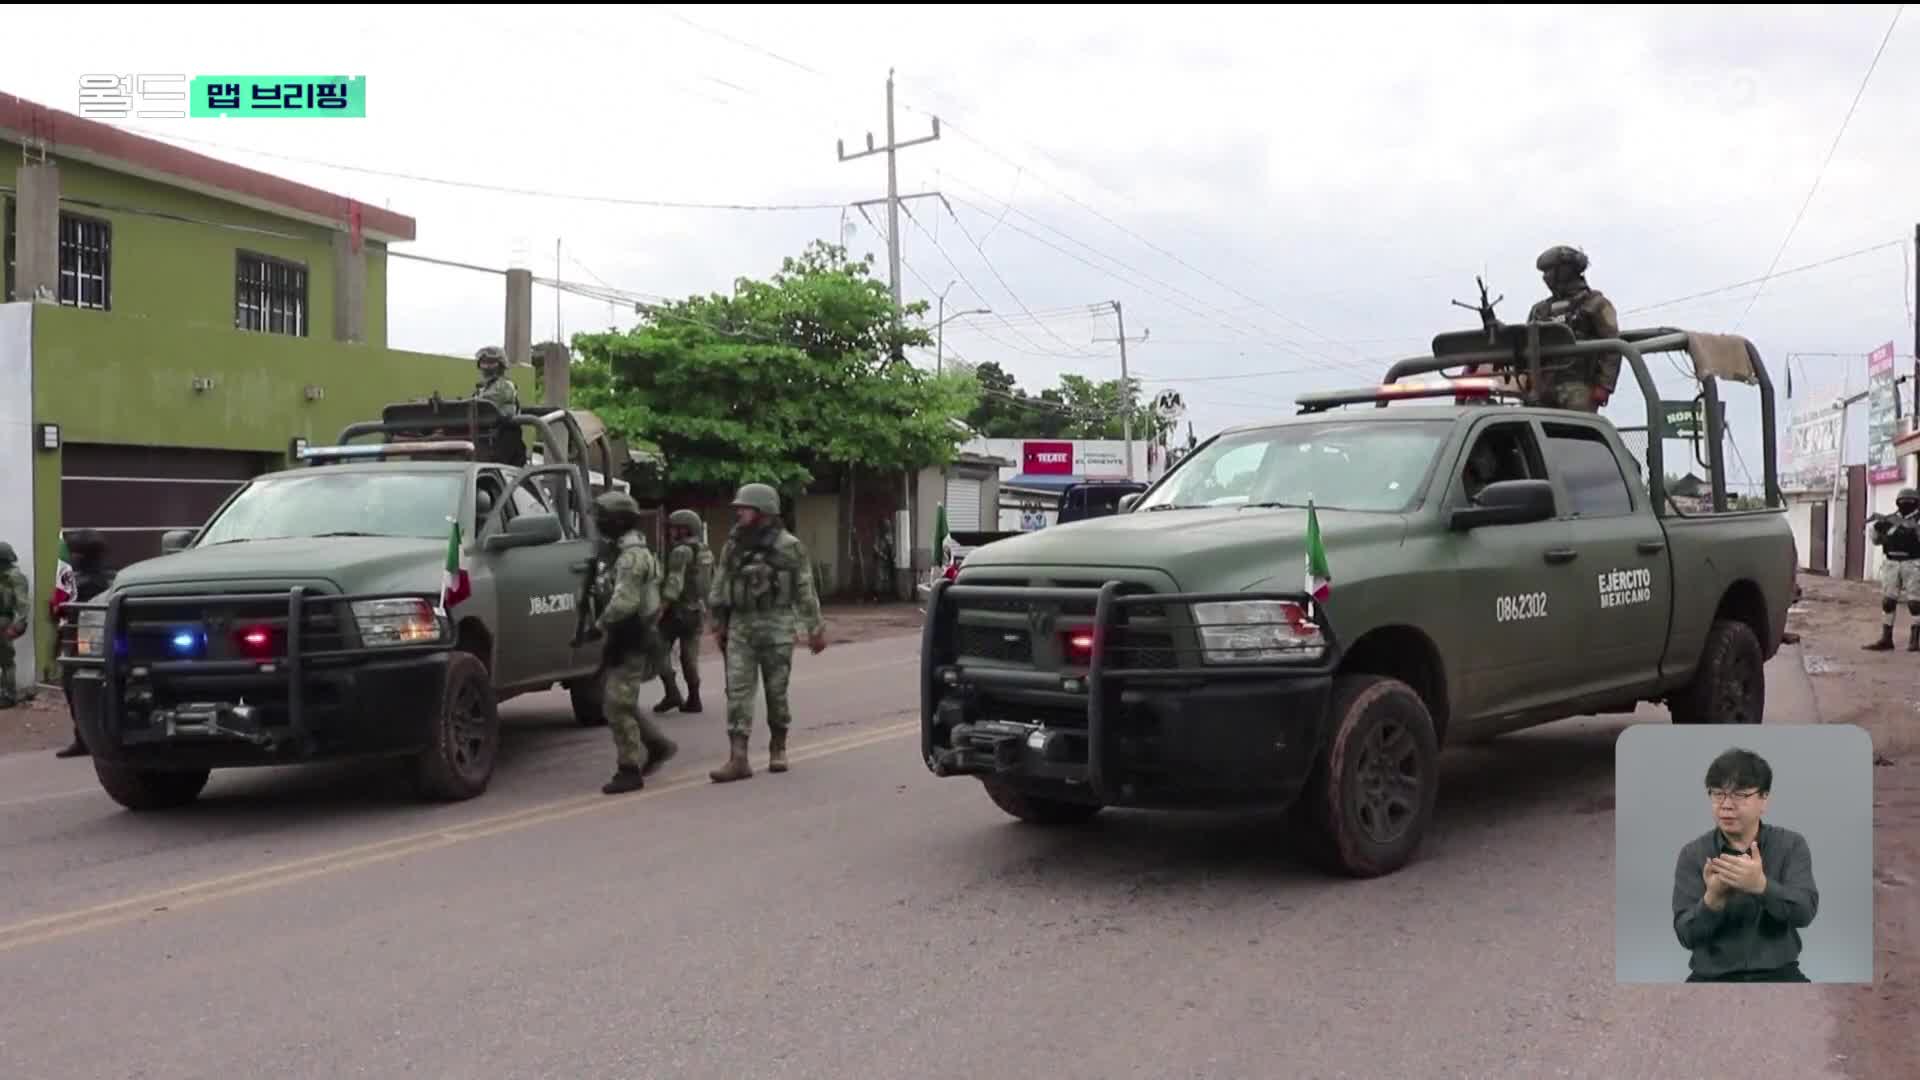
171, 324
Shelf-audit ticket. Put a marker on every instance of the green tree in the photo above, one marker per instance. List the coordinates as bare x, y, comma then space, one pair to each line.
779, 381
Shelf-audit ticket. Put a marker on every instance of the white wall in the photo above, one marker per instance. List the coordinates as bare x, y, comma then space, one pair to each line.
16, 467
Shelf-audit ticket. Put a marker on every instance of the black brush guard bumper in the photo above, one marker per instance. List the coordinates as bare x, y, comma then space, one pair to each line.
1219, 733
307, 703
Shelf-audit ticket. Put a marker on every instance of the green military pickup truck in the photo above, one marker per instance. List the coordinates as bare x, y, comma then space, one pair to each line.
303, 622
1493, 567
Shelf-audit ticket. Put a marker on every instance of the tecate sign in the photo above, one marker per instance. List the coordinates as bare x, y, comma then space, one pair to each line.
1047, 458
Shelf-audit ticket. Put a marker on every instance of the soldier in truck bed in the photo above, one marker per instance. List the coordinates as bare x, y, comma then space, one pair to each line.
1590, 315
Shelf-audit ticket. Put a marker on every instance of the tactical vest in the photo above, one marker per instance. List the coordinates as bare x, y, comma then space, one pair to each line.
760, 577
699, 578
630, 636
12, 581
1903, 543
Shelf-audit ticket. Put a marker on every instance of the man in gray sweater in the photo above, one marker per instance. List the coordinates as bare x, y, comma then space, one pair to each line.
1743, 891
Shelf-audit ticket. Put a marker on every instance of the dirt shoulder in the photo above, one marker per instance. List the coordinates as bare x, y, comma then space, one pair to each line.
1880, 691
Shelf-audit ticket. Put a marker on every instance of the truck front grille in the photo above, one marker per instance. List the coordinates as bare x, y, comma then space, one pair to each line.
156, 632
992, 643
998, 629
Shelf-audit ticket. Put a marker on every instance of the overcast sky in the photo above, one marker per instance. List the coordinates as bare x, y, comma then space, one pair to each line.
1286, 199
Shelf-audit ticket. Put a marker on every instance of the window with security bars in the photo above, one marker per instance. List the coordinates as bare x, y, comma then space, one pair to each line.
86, 262
270, 295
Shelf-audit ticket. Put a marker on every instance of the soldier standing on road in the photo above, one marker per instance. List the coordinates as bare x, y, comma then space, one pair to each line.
91, 577
16, 600
683, 612
883, 562
628, 620
1590, 315
762, 595
1899, 538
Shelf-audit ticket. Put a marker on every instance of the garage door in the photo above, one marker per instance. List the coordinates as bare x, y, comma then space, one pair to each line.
963, 505
133, 494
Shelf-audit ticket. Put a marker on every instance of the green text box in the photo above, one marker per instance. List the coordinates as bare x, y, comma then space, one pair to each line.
280, 95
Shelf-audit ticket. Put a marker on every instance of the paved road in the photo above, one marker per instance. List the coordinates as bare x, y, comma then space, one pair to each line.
853, 918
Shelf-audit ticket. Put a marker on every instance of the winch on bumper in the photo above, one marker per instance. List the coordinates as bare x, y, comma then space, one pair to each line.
1224, 713
212, 680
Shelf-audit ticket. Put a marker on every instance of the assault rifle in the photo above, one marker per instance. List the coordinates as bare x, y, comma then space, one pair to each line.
588, 607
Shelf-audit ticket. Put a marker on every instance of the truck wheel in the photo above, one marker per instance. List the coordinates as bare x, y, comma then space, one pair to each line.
1367, 806
589, 702
150, 789
1036, 810
1730, 685
466, 734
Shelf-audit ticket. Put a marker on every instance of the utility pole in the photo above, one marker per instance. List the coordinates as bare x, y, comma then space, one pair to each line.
893, 200
1916, 325
1126, 384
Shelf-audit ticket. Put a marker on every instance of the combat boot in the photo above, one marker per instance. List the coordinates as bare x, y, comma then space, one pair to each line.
693, 697
659, 752
777, 752
737, 766
626, 778
1885, 644
1913, 638
672, 701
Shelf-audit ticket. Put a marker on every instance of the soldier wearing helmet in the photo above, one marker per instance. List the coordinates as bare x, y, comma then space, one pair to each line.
628, 615
494, 385
16, 600
761, 597
1590, 314
1898, 535
683, 612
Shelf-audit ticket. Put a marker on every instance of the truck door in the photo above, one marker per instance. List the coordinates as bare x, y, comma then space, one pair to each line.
537, 585
1515, 620
1625, 597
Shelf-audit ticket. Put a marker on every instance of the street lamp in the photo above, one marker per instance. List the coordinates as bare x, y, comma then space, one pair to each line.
940, 330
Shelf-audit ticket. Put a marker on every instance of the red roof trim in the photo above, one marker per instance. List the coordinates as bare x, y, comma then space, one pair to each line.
65, 131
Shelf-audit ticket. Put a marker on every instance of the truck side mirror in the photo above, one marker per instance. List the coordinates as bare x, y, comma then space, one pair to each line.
175, 540
1509, 502
1127, 501
528, 530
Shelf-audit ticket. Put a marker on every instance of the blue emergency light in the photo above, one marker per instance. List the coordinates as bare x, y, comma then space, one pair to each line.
186, 642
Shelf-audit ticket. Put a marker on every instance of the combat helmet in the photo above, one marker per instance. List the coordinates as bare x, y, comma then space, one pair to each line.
684, 519
7, 557
1560, 254
490, 356
1907, 495
759, 497
615, 502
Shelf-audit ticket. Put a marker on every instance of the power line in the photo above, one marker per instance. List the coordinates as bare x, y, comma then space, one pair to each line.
614, 200
1821, 174
1759, 280
995, 271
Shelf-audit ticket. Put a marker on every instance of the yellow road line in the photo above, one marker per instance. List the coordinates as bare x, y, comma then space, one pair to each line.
49, 927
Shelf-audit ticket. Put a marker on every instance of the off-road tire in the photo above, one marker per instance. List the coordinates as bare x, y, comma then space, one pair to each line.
1730, 685
465, 735
589, 701
1362, 814
150, 789
1037, 810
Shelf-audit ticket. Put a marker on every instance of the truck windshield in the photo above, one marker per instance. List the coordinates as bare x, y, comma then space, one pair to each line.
322, 503
1340, 465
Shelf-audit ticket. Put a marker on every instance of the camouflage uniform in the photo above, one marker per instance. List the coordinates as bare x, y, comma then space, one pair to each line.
762, 594
1899, 539
627, 619
684, 610
494, 385
1591, 316
16, 600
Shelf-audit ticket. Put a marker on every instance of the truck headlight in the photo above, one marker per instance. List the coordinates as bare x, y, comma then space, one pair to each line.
395, 622
90, 634
1257, 631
